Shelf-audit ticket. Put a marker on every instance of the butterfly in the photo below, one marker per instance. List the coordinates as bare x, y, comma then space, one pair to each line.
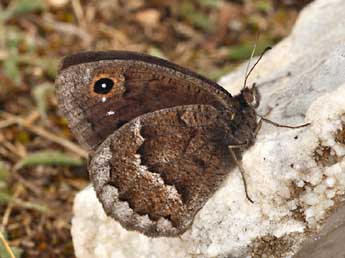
158, 135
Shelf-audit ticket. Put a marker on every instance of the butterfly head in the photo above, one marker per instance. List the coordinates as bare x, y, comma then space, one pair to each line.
251, 96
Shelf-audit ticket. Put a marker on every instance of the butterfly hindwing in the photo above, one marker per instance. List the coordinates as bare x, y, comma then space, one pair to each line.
158, 170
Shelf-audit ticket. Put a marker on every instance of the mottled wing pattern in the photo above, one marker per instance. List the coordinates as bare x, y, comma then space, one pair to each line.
158, 170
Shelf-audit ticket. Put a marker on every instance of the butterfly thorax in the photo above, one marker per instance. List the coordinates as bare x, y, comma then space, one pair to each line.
243, 122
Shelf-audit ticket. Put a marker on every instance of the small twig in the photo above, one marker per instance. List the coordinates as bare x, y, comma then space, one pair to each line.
7, 246
47, 135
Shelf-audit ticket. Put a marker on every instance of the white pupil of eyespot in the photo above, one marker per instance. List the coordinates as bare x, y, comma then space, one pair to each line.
103, 85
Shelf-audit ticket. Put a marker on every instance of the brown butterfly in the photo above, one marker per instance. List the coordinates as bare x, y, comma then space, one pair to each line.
158, 135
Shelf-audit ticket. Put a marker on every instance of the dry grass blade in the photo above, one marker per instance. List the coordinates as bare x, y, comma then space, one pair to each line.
9, 208
27, 205
48, 157
7, 123
68, 29
47, 135
7, 246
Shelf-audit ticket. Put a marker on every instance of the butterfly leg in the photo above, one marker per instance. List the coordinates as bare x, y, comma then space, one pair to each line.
281, 125
239, 164
238, 146
258, 128
264, 119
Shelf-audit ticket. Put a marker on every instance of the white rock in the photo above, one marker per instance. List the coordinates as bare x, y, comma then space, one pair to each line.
292, 191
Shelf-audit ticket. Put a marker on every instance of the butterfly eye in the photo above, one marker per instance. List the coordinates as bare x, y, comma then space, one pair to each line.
103, 86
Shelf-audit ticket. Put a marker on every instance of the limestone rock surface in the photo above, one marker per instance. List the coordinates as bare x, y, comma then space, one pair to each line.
296, 177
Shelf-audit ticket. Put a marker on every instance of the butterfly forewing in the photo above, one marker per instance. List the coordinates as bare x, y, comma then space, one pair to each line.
139, 86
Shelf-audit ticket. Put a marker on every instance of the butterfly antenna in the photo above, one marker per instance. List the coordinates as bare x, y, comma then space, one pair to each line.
248, 65
257, 61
